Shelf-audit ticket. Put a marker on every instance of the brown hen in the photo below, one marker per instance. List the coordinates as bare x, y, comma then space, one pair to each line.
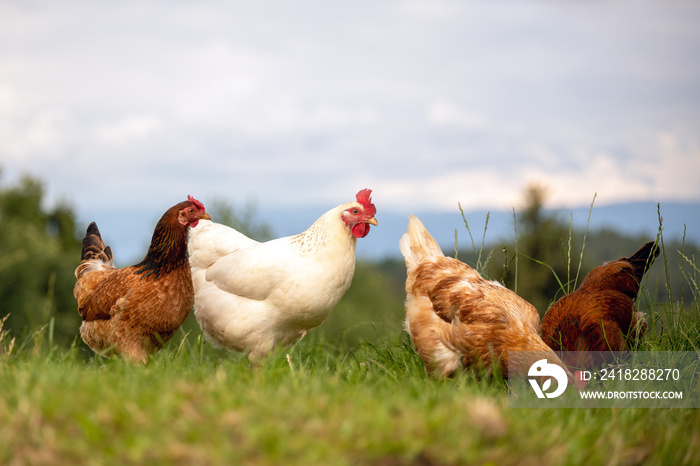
133, 311
600, 315
457, 318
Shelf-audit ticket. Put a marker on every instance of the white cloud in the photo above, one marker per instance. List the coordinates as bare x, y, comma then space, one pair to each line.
675, 167
428, 103
280, 118
445, 113
670, 170
473, 189
129, 128
39, 137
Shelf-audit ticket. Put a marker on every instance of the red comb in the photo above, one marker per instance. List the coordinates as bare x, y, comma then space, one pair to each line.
364, 198
199, 205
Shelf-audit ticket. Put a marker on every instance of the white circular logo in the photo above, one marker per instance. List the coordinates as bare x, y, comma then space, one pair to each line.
542, 369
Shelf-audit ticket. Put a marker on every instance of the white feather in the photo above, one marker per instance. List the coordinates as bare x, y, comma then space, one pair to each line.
252, 296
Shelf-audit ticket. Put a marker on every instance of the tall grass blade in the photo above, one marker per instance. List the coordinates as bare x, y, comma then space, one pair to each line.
477, 252
583, 246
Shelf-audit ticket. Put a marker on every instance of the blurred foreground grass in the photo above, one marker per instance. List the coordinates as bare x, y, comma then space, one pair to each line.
311, 404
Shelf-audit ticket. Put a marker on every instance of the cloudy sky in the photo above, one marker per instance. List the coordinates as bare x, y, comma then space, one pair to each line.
135, 104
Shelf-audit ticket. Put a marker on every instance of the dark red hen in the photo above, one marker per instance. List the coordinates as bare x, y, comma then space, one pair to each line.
600, 314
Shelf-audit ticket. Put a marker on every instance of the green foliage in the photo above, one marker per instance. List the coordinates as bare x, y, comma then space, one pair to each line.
550, 258
373, 308
541, 240
243, 220
38, 254
538, 265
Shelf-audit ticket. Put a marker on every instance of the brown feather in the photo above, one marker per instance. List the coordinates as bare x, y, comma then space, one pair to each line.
134, 310
600, 314
457, 318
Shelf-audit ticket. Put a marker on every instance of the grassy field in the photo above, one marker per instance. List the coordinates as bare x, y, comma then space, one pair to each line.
311, 404
336, 397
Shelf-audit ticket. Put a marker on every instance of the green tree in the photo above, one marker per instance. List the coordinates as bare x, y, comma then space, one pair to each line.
38, 254
542, 248
541, 258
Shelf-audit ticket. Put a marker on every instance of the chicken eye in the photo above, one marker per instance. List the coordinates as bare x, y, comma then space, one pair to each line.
354, 211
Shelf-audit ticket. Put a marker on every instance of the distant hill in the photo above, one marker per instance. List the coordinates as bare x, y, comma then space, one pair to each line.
129, 233
633, 219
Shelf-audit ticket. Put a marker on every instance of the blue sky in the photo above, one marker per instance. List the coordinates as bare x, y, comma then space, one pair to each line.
131, 106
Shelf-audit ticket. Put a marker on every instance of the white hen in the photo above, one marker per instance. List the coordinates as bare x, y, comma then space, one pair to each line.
252, 296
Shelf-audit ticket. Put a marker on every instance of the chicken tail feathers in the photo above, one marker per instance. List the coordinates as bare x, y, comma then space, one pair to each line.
645, 256
417, 245
94, 247
94, 255
642, 259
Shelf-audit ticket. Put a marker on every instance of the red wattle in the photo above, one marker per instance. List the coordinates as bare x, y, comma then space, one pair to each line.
360, 230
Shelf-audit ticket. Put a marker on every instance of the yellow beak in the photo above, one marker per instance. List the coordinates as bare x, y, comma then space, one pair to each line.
372, 221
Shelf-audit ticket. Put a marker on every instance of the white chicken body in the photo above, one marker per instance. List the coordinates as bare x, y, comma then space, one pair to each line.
252, 296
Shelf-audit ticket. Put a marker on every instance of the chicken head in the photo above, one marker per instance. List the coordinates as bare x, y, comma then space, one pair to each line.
361, 215
192, 213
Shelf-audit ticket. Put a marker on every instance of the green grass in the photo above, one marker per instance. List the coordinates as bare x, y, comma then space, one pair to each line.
352, 392
311, 404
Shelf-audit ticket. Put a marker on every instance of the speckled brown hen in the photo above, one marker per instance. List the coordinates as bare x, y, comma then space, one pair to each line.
600, 314
456, 318
133, 311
